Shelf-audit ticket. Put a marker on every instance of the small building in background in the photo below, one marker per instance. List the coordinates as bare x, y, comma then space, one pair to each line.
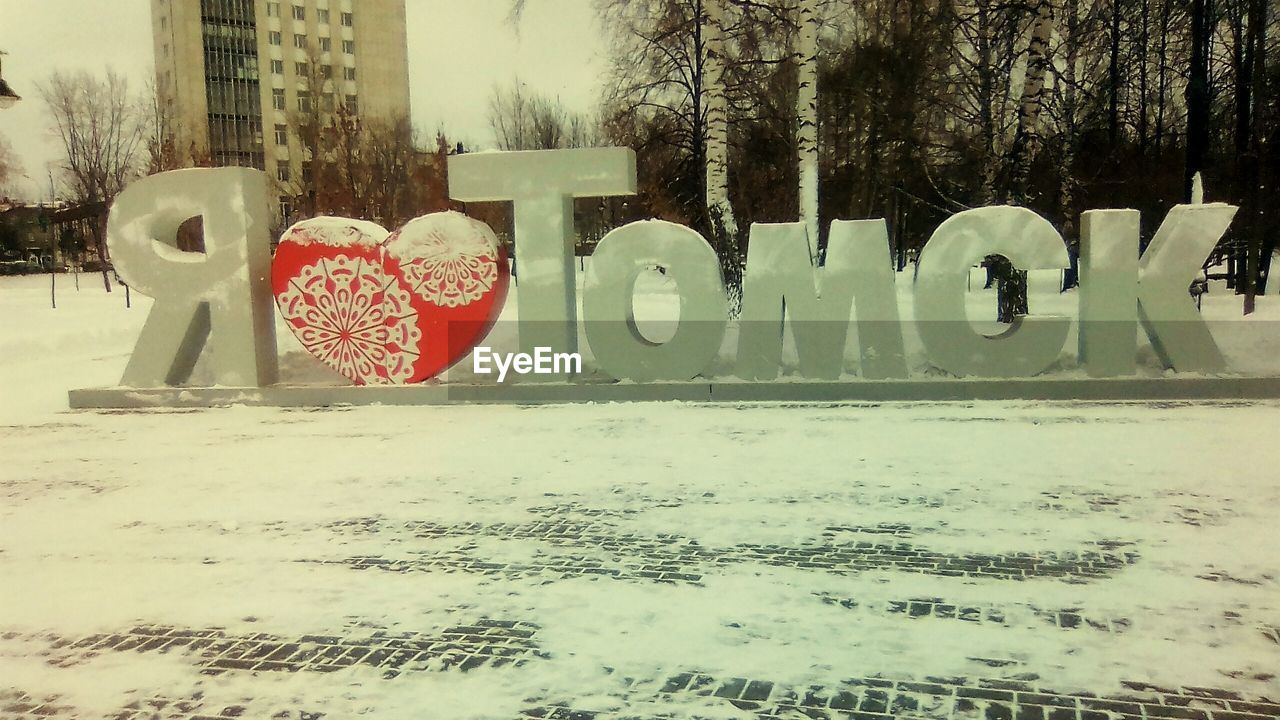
28, 238
236, 78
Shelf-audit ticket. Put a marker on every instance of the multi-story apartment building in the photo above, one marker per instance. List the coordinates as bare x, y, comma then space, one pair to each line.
233, 76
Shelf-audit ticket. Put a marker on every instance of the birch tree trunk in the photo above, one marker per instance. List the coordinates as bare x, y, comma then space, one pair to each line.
717, 122
1013, 283
807, 118
1027, 139
724, 226
987, 100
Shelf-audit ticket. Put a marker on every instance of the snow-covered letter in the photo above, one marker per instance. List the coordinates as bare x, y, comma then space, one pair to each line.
1029, 242
1173, 259
220, 298
542, 185
1108, 340
622, 255
782, 283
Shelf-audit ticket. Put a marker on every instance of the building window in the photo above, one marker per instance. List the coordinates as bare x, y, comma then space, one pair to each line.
349, 73
299, 12
286, 208
353, 104
273, 9
277, 67
326, 72
302, 69
322, 15
274, 37
300, 41
349, 47
327, 102
325, 44
304, 101
166, 49
282, 170
282, 135
277, 98
347, 20
164, 23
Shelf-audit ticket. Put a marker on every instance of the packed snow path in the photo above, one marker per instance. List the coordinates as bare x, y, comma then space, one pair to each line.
652, 560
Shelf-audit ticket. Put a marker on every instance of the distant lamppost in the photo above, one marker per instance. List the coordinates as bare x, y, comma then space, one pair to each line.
7, 96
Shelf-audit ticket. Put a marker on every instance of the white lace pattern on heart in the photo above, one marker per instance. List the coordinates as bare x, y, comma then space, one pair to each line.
451, 271
346, 312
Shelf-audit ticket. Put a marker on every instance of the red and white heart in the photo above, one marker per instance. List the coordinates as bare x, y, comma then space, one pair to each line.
390, 309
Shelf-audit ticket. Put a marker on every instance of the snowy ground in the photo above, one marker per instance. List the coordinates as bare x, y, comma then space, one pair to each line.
988, 560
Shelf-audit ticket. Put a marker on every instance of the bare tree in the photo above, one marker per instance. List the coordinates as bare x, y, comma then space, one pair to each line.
371, 168
1000, 29
1067, 105
657, 86
162, 148
349, 164
717, 122
103, 132
511, 118
1013, 283
1199, 96
1248, 20
933, 106
1027, 137
311, 121
675, 87
523, 120
10, 167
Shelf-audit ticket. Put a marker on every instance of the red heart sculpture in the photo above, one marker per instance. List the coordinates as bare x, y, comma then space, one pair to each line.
390, 309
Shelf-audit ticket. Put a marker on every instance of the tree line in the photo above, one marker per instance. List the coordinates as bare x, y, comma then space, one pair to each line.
929, 107
745, 111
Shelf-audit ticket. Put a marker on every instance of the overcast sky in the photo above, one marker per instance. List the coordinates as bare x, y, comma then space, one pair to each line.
458, 49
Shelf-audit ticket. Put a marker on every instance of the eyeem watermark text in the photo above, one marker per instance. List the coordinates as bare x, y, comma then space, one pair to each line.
542, 362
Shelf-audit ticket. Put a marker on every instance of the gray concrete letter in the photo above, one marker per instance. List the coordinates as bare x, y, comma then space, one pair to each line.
542, 185
220, 298
1033, 342
1108, 340
1173, 259
781, 282
619, 347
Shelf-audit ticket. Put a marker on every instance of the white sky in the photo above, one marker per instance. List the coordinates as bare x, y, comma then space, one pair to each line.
458, 49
